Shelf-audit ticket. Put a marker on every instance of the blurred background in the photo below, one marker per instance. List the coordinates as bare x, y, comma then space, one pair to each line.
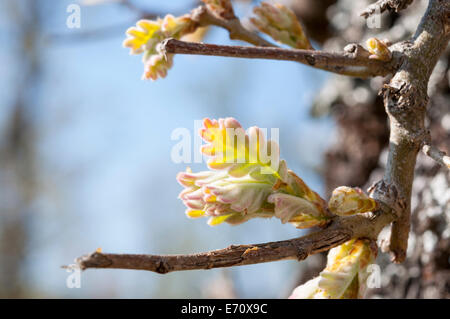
85, 150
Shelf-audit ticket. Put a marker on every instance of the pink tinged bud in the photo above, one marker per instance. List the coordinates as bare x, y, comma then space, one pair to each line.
198, 179
217, 209
185, 179
238, 191
157, 66
346, 264
250, 198
378, 49
281, 23
231, 123
194, 204
241, 198
183, 195
297, 210
197, 194
347, 201
294, 185
192, 198
345, 274
147, 36
244, 195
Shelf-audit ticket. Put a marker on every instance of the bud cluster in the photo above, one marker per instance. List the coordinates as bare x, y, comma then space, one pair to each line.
242, 183
148, 34
280, 23
345, 275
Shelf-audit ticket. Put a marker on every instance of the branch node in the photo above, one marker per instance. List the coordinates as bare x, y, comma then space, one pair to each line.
162, 267
386, 194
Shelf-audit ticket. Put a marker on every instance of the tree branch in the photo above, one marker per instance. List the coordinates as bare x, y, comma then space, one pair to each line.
405, 100
339, 231
383, 5
233, 25
439, 156
344, 63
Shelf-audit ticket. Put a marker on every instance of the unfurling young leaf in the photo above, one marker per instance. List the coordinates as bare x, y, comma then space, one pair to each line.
223, 198
297, 210
244, 182
345, 275
347, 201
148, 34
280, 23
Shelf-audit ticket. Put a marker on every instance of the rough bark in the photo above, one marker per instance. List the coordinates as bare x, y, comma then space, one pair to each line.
425, 273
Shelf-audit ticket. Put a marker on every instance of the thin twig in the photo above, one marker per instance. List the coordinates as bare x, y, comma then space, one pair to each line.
340, 63
439, 156
383, 5
234, 26
340, 231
